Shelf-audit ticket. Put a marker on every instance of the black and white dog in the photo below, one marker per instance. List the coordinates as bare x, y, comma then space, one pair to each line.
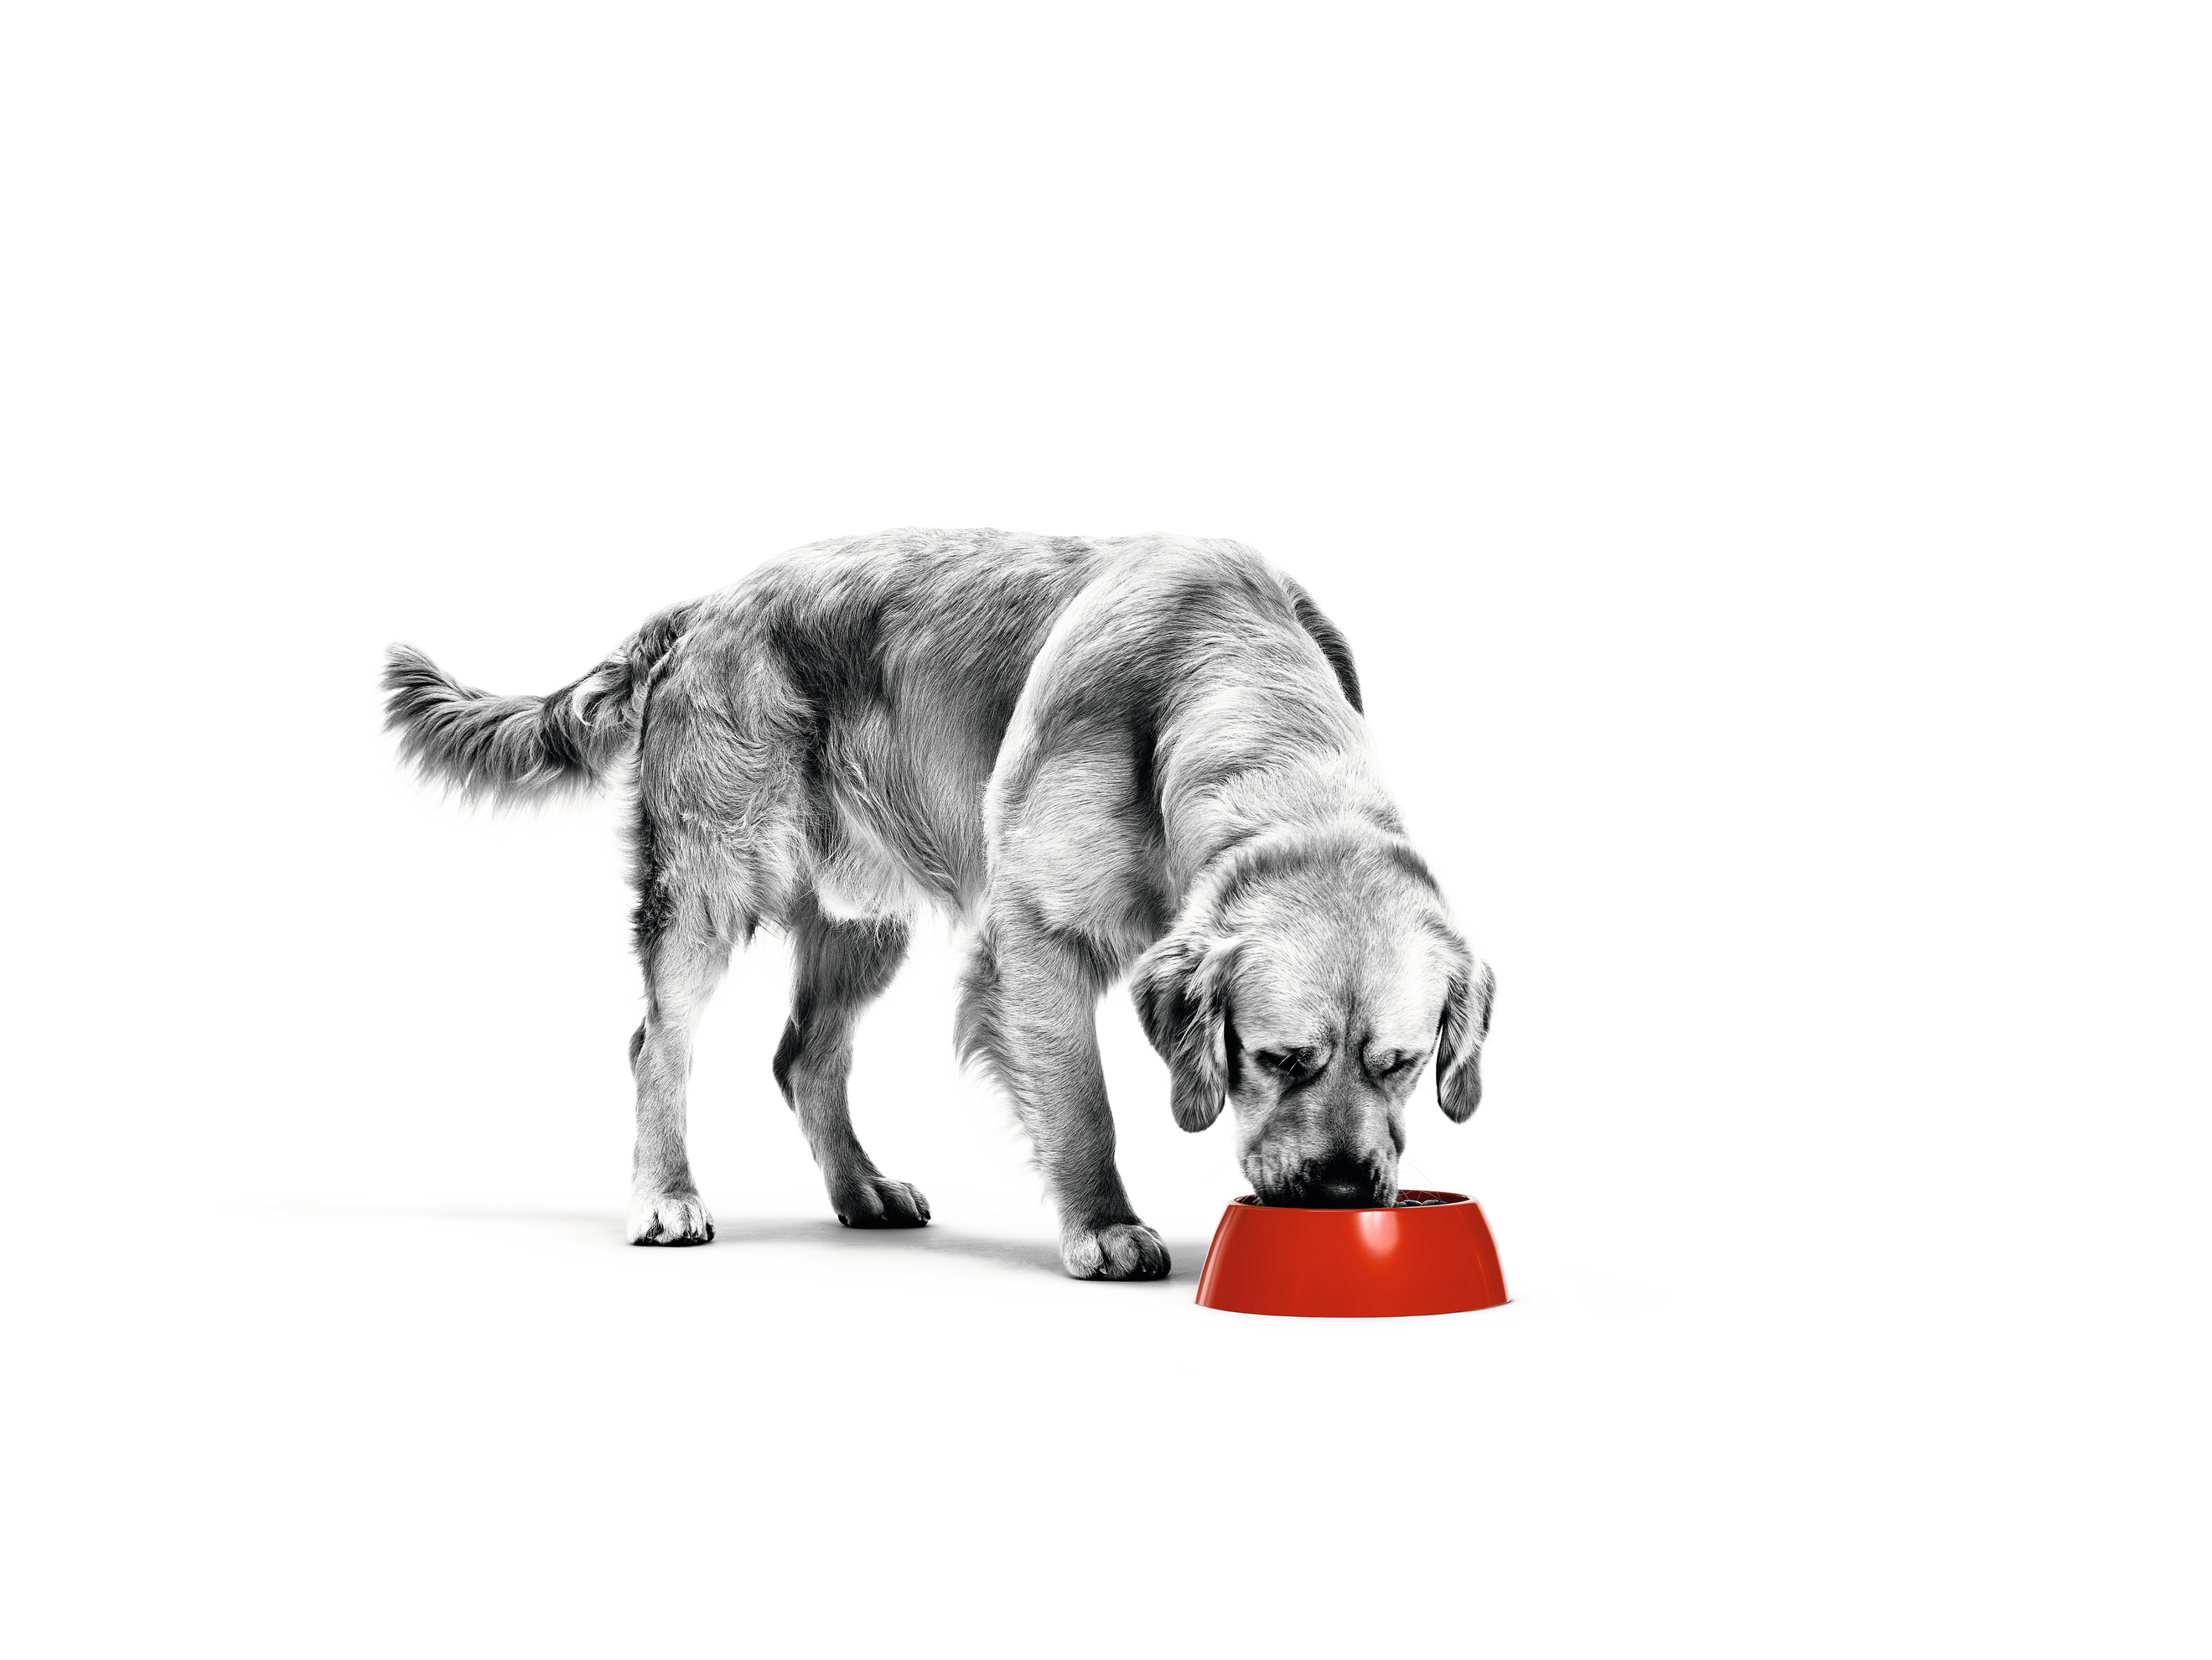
1146, 752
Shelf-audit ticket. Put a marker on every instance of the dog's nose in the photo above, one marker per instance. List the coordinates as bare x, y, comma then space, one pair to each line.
1341, 1182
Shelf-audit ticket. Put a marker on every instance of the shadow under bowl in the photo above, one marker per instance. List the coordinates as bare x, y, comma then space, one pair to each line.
1431, 1253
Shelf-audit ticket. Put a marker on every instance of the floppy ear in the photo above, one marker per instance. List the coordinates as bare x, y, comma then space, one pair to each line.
1466, 1023
1181, 988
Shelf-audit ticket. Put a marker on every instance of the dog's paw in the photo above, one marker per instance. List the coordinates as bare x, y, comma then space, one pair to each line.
877, 1201
671, 1219
1122, 1250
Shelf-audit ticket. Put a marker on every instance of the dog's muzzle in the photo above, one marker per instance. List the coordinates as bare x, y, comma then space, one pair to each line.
1341, 1182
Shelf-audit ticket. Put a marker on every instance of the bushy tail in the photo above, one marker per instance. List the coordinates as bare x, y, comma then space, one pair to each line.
524, 748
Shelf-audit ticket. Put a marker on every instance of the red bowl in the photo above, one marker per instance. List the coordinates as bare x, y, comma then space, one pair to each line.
1430, 1253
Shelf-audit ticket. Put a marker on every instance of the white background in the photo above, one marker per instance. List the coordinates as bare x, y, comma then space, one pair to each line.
1759, 456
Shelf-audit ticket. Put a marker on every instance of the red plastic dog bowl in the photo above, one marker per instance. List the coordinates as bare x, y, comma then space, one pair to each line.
1431, 1253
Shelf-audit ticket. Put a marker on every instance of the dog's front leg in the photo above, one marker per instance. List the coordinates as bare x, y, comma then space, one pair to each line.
1028, 1014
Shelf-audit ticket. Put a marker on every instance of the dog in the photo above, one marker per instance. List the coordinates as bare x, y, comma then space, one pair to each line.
1142, 755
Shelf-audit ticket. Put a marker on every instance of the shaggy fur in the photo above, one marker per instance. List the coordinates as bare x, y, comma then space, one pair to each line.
1140, 754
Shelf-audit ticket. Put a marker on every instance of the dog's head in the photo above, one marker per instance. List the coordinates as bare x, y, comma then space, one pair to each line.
1307, 984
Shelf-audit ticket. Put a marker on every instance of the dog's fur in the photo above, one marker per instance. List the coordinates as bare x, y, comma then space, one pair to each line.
1146, 751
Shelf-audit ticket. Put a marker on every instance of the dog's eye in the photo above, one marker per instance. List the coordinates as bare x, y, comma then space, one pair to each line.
1291, 1064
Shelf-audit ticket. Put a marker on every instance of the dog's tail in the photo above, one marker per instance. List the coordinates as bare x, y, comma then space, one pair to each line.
524, 748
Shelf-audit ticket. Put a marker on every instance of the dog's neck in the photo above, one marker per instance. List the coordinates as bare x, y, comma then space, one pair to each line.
1236, 786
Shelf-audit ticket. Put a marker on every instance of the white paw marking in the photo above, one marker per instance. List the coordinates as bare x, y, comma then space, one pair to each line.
1124, 1250
671, 1219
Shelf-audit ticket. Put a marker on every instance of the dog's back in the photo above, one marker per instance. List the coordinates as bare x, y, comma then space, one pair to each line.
876, 676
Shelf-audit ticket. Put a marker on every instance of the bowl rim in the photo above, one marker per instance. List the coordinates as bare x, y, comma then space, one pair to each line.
1450, 1200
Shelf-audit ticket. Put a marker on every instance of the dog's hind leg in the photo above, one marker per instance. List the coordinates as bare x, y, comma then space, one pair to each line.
839, 968
684, 952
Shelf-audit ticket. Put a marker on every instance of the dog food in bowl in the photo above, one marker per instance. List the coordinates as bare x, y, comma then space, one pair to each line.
1408, 1199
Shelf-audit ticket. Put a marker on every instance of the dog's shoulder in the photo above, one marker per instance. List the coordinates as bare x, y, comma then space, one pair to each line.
1163, 608
1166, 623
